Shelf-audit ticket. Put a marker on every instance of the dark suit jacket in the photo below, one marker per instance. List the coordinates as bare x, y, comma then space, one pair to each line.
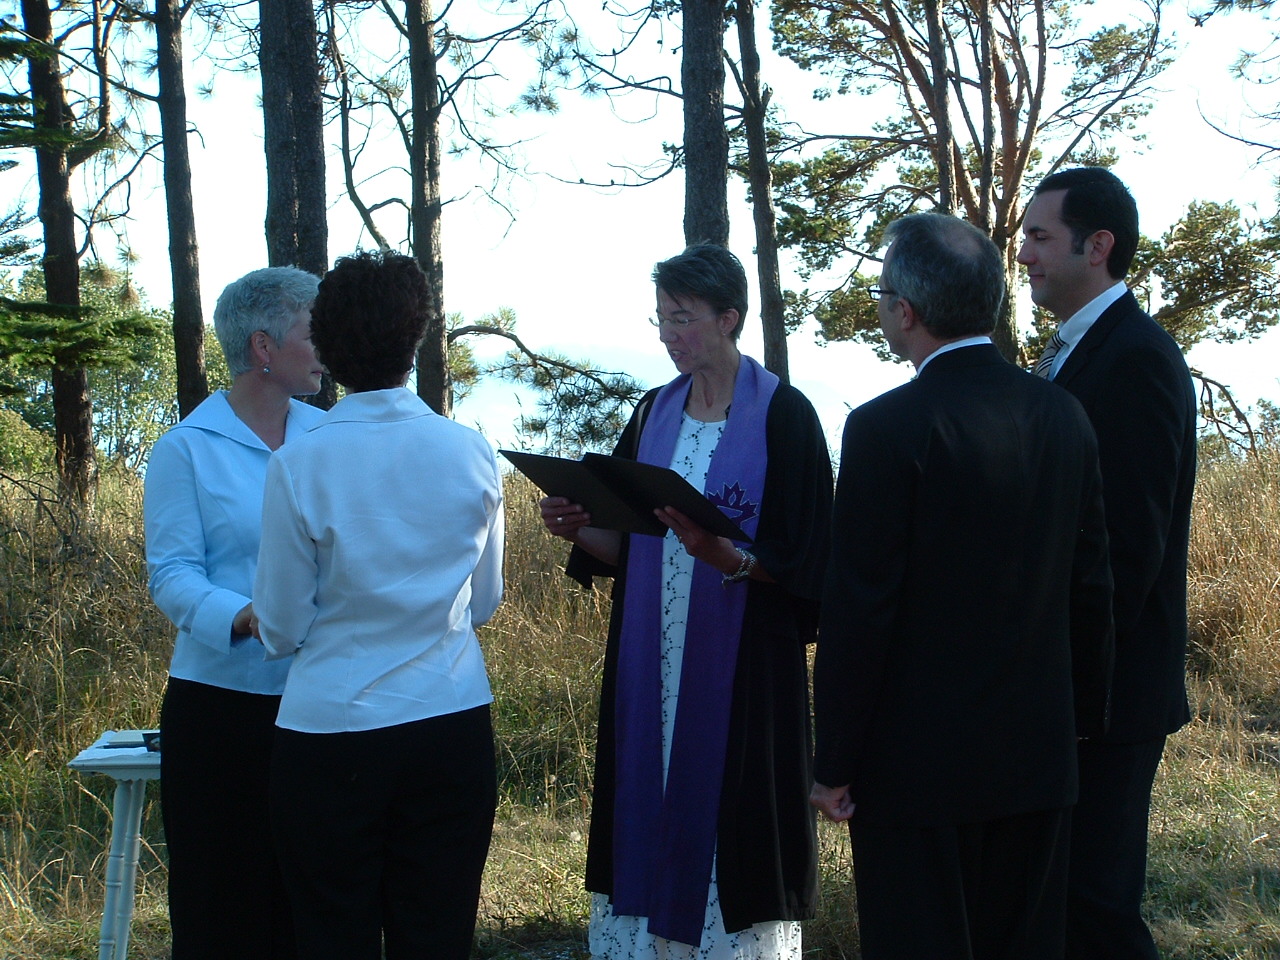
965, 638
1133, 382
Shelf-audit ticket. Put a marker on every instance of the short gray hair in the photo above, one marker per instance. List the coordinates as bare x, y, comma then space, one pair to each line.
268, 300
710, 272
950, 272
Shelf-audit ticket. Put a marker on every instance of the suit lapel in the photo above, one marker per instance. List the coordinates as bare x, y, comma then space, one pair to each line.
1096, 337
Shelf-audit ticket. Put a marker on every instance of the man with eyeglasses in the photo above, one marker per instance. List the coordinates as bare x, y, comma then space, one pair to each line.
965, 639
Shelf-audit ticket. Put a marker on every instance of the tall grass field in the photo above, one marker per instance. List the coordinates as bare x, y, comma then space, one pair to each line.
83, 650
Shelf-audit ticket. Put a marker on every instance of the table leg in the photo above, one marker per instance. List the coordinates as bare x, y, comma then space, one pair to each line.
122, 869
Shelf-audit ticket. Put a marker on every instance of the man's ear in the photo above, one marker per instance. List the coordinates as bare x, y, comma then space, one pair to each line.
1098, 247
910, 319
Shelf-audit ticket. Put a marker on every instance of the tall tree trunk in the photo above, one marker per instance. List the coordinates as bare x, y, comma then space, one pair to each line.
72, 407
280, 137
184, 254
755, 108
706, 141
986, 83
293, 121
434, 383
312, 224
1005, 335
944, 148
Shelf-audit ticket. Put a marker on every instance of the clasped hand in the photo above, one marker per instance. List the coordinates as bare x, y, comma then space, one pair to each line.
833, 802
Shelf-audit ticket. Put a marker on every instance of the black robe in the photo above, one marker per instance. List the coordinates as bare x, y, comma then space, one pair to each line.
766, 846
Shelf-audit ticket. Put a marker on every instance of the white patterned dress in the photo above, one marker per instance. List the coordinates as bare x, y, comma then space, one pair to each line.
628, 938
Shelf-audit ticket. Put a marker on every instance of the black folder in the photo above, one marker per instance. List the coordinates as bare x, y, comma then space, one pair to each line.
622, 494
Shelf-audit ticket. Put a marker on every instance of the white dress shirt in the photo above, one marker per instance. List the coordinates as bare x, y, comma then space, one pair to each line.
382, 544
952, 345
202, 512
1078, 324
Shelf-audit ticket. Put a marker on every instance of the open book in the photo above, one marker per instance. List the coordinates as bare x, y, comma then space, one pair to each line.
622, 494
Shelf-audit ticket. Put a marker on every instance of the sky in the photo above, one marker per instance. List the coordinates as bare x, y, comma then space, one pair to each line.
574, 262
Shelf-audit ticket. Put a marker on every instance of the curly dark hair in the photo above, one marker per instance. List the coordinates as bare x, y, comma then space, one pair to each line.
368, 318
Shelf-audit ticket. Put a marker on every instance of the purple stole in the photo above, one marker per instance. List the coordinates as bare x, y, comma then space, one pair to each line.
664, 846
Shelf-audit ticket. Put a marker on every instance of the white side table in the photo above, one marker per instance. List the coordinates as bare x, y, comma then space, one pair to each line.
131, 766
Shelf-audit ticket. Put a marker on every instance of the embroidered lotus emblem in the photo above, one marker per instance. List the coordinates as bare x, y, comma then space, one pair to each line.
733, 499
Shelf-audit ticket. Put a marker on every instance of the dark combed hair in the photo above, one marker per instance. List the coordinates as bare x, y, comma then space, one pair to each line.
369, 316
1096, 199
950, 272
710, 272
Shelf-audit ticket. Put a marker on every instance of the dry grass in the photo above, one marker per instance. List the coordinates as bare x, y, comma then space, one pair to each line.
1214, 888
82, 648
1234, 580
543, 650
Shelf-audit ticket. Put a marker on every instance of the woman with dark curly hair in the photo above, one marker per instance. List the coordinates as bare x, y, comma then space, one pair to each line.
381, 552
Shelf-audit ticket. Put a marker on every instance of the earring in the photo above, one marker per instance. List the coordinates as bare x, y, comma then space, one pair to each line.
266, 369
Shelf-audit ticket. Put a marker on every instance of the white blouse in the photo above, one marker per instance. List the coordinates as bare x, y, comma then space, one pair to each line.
382, 544
202, 512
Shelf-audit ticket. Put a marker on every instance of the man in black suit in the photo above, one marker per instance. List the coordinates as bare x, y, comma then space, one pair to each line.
1079, 236
965, 639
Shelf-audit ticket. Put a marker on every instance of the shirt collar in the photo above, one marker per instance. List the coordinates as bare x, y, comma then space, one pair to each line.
214, 415
948, 347
385, 406
1074, 329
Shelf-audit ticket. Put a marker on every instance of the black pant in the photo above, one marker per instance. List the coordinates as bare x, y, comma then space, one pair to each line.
226, 898
980, 891
384, 833
1108, 863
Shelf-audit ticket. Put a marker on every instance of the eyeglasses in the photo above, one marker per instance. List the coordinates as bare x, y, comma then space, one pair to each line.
680, 322
877, 293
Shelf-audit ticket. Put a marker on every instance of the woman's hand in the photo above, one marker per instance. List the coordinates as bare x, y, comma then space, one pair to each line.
562, 517
242, 623
699, 542
568, 520
245, 623
703, 545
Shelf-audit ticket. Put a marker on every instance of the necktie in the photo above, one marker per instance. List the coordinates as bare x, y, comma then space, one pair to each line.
1044, 366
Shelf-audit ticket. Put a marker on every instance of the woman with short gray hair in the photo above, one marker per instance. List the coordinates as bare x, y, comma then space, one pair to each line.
202, 508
